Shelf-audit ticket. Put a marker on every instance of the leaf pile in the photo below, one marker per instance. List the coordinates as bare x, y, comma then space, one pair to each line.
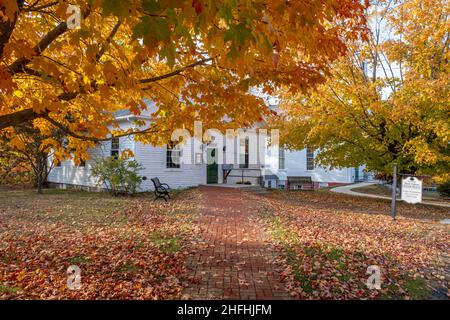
127, 248
329, 240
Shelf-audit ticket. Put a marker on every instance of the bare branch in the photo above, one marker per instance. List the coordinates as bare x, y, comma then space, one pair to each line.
28, 114
18, 117
69, 132
35, 7
108, 40
176, 72
18, 65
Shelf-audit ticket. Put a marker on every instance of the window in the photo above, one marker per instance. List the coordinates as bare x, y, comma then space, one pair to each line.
115, 147
309, 159
172, 155
282, 159
243, 153
198, 158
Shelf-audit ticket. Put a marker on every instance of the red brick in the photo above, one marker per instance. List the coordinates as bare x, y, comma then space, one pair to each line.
232, 253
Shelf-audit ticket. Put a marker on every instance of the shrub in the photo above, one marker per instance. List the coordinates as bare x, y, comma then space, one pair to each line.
444, 189
119, 176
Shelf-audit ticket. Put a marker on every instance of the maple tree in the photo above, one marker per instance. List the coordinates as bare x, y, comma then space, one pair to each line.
29, 147
195, 59
14, 168
387, 100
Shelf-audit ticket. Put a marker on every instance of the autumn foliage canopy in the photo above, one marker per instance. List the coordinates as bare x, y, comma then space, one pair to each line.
195, 59
387, 100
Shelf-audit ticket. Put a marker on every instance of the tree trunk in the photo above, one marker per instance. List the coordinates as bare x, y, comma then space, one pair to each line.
39, 185
40, 174
17, 118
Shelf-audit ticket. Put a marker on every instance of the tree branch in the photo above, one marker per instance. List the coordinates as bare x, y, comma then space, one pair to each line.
18, 65
34, 6
7, 28
108, 41
69, 132
18, 117
22, 116
176, 72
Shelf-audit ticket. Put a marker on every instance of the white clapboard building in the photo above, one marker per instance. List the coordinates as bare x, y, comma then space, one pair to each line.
292, 170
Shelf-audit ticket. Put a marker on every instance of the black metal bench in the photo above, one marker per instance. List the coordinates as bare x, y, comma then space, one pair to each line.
161, 189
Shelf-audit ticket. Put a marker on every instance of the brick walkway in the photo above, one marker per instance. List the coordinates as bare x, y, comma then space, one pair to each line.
231, 260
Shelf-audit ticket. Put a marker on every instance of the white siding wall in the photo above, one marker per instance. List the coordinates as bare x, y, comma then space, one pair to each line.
296, 166
69, 173
154, 160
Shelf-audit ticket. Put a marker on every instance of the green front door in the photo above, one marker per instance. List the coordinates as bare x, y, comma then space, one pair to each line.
212, 169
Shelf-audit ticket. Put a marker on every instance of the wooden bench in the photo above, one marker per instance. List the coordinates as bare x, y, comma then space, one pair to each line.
305, 183
161, 189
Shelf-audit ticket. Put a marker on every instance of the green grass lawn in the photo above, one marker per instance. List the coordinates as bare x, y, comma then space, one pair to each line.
378, 189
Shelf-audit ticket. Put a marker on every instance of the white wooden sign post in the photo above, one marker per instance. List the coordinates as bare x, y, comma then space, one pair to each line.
411, 190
